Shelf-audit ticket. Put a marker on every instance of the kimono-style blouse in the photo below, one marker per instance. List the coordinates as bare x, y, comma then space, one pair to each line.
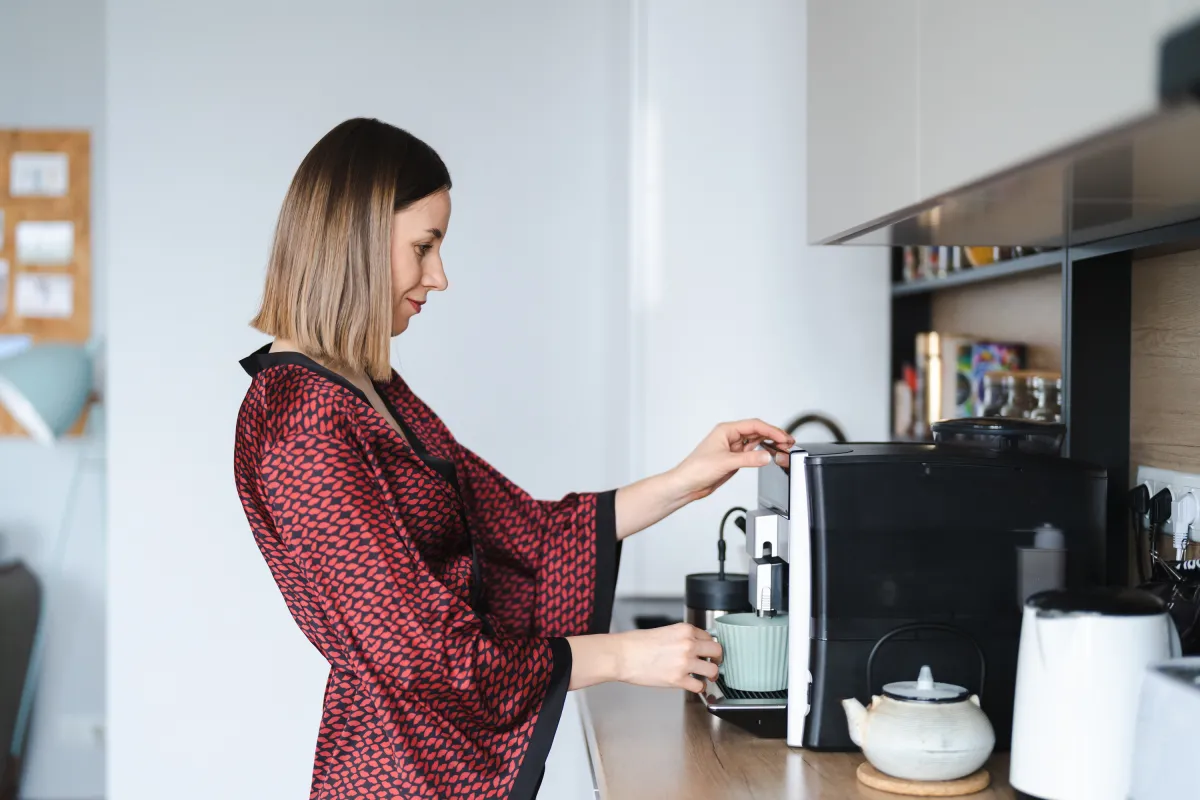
437, 590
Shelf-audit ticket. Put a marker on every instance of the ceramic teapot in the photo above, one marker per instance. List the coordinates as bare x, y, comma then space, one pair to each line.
922, 730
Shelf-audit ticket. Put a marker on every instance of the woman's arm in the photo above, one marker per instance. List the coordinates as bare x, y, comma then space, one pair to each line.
410, 640
550, 566
730, 447
388, 610
661, 657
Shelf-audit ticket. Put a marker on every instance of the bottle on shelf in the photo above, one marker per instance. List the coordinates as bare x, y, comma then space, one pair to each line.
912, 264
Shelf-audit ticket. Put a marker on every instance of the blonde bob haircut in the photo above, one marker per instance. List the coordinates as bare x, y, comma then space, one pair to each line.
329, 277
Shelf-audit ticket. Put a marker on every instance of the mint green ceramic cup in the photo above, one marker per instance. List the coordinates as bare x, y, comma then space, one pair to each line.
755, 651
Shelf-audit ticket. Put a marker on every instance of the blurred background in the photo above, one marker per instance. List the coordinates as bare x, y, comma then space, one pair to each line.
629, 264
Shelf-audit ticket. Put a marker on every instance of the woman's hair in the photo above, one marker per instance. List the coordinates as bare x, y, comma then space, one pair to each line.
329, 281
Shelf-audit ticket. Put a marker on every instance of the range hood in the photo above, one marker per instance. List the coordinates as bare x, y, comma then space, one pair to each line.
1139, 175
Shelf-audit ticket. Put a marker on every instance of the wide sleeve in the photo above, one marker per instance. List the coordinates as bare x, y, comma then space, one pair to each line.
568, 546
420, 649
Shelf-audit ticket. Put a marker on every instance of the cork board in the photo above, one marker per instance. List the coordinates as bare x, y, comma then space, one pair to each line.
46, 298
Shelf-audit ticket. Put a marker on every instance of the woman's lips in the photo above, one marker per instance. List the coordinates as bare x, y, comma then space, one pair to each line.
416, 306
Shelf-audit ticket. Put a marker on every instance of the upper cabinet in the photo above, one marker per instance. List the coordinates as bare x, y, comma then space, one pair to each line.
862, 111
990, 84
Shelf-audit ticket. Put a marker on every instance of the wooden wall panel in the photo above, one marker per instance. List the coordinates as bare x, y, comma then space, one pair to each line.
1165, 369
1025, 308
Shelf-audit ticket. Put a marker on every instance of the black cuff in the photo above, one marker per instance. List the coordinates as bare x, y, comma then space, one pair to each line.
608, 559
529, 776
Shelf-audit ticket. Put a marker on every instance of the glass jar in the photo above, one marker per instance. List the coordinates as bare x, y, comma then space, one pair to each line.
995, 395
1018, 399
1045, 390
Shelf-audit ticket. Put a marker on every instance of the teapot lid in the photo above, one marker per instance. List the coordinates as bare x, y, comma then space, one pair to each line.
925, 690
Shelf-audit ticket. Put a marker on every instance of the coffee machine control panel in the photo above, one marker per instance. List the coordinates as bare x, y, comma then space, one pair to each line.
774, 481
781, 482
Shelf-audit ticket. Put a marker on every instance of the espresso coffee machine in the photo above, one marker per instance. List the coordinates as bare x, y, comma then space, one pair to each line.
913, 551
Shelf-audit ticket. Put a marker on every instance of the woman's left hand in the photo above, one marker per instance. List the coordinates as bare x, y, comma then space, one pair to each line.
730, 447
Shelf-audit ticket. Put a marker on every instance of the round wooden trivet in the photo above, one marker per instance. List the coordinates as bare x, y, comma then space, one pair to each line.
975, 782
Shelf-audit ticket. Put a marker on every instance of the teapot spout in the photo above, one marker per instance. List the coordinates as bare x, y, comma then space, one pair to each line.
856, 718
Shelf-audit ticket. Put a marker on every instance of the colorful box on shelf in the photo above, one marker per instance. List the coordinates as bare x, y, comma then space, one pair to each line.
950, 374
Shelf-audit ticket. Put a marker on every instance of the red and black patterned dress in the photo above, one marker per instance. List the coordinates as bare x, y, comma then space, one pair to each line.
436, 589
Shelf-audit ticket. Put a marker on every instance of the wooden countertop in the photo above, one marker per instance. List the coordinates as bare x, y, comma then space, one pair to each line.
659, 744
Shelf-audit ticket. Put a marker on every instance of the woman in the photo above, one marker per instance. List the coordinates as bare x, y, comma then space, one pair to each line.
455, 611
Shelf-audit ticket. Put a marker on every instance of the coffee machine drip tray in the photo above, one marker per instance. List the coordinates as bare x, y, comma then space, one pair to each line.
761, 713
763, 697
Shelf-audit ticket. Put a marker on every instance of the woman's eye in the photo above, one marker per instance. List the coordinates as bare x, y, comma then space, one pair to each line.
422, 249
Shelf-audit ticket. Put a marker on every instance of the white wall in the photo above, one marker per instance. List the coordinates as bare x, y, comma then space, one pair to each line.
213, 692
736, 315
616, 289
52, 76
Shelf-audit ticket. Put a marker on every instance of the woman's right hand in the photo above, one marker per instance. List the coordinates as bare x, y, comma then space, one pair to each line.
667, 657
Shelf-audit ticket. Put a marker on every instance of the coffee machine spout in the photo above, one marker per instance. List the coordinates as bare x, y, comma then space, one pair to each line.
765, 536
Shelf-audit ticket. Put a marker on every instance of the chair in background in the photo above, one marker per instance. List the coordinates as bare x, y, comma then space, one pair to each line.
20, 609
45, 388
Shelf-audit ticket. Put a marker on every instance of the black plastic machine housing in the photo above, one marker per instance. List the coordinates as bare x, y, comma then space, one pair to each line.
924, 533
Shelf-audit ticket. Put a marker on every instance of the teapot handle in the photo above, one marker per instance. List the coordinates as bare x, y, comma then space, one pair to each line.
934, 626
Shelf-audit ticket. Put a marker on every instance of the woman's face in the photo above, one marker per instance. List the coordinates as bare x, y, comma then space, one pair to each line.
417, 235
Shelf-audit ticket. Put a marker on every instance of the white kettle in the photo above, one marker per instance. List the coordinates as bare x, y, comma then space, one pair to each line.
1080, 665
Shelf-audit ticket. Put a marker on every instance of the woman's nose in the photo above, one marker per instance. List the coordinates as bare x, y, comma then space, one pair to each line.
436, 278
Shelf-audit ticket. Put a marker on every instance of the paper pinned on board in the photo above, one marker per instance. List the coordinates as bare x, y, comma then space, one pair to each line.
38, 175
44, 296
45, 244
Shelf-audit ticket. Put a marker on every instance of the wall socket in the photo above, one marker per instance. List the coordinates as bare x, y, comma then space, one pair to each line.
1180, 484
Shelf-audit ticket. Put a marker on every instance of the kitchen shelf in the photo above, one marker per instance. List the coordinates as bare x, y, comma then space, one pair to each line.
1096, 348
1038, 262
1104, 201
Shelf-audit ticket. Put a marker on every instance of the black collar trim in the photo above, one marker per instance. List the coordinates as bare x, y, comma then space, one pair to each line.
263, 358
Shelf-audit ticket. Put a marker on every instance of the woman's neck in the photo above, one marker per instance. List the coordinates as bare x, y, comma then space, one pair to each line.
357, 377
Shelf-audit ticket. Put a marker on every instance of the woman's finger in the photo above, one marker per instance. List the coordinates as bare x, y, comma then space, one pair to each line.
708, 649
749, 458
706, 668
746, 443
756, 427
694, 685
